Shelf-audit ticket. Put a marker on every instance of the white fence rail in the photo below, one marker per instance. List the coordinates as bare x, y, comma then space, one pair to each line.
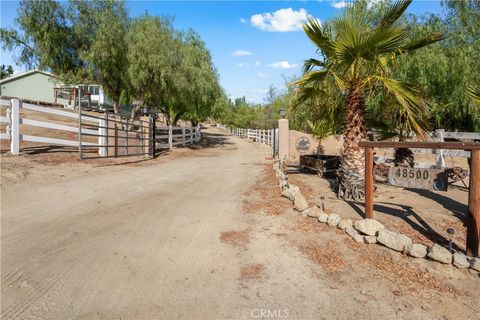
174, 135
441, 135
177, 136
264, 136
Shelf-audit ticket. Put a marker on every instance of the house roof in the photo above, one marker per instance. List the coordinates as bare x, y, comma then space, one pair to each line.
26, 74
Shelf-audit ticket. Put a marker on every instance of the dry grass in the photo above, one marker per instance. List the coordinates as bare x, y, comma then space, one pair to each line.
328, 257
264, 196
236, 238
402, 274
252, 271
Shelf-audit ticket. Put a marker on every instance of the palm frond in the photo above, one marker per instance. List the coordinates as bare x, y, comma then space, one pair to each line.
410, 110
311, 77
473, 92
318, 35
422, 42
309, 64
394, 12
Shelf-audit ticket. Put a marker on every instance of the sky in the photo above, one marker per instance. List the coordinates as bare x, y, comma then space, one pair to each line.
254, 44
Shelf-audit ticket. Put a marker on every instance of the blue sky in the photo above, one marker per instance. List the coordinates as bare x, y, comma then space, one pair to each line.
253, 43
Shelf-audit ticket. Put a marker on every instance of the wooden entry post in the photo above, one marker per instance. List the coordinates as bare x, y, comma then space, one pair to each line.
369, 182
473, 217
473, 211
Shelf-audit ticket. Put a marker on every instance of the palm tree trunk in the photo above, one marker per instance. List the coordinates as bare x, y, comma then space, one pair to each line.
352, 165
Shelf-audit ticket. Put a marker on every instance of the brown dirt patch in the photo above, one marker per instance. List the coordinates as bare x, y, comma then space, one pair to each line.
328, 257
236, 238
264, 196
252, 271
402, 274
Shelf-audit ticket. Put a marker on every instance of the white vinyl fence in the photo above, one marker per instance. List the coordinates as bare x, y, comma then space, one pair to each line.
95, 127
441, 135
264, 136
175, 136
14, 121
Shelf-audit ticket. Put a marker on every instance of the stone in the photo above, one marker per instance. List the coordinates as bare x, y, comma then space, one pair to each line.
370, 239
369, 227
315, 212
333, 220
306, 212
300, 204
393, 240
323, 217
354, 234
417, 250
290, 192
293, 190
475, 264
440, 254
344, 224
460, 260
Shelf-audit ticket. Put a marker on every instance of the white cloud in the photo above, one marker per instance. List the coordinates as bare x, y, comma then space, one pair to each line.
241, 64
241, 53
262, 75
257, 63
282, 65
338, 4
243, 21
281, 20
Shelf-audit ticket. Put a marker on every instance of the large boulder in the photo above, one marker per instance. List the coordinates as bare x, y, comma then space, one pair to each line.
417, 250
323, 217
460, 260
393, 240
369, 227
440, 254
300, 204
344, 224
333, 220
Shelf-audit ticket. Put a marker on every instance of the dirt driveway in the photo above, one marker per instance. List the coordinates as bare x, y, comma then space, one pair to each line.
188, 236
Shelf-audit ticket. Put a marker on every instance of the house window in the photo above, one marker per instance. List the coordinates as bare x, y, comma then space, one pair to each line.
94, 90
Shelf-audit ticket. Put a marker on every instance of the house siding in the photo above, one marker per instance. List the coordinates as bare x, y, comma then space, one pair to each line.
36, 86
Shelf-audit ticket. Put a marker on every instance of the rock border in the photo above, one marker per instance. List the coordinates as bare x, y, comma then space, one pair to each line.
371, 231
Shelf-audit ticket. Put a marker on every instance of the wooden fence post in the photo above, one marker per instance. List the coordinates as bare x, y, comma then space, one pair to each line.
15, 127
184, 138
473, 217
369, 182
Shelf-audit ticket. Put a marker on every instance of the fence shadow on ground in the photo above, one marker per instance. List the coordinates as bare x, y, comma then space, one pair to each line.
407, 214
457, 208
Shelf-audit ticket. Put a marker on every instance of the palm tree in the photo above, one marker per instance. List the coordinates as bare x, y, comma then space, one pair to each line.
358, 56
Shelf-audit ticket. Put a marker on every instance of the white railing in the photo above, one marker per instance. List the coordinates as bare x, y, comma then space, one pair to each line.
14, 120
264, 136
441, 135
178, 136
175, 136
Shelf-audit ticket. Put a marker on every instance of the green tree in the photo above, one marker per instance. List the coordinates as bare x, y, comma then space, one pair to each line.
152, 55
358, 56
83, 41
6, 71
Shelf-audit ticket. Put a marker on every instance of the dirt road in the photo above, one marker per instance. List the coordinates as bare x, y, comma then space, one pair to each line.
170, 240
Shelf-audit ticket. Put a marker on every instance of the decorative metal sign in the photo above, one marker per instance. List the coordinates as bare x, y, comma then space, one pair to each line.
302, 145
418, 178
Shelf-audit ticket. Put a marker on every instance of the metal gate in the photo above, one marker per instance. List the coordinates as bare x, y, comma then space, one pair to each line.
113, 135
